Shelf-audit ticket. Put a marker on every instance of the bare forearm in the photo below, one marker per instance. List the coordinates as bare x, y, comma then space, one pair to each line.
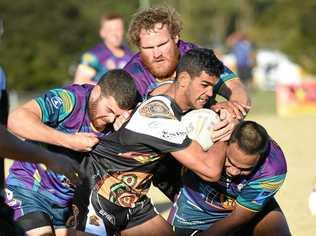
32, 128
208, 165
214, 161
234, 90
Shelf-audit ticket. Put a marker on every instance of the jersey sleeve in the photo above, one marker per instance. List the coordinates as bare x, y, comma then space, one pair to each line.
225, 76
257, 193
56, 105
154, 124
90, 60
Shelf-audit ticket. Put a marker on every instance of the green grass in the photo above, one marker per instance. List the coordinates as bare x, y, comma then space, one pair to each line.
263, 102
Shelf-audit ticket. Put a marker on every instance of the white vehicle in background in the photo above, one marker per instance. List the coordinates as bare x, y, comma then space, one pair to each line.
272, 67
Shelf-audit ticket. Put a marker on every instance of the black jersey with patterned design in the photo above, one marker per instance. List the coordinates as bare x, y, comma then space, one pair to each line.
120, 167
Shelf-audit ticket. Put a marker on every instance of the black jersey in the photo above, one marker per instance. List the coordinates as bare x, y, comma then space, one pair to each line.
120, 167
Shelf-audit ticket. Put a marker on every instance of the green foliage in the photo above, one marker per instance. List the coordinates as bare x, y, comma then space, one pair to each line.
43, 39
288, 26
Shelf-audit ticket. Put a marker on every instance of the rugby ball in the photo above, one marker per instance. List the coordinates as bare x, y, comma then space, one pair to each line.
312, 202
199, 126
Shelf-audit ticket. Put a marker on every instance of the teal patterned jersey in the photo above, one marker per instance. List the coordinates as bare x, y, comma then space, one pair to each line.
64, 110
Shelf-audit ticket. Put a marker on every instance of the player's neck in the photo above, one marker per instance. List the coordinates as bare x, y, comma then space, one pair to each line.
179, 97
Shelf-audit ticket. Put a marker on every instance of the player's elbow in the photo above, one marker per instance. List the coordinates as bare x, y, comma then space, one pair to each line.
211, 175
214, 177
13, 121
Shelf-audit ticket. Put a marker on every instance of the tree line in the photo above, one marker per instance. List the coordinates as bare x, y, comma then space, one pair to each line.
43, 40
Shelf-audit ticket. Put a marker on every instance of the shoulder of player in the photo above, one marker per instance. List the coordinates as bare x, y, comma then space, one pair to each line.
62, 97
156, 107
273, 166
134, 65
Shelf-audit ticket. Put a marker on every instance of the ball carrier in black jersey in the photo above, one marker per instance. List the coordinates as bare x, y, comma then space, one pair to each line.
119, 169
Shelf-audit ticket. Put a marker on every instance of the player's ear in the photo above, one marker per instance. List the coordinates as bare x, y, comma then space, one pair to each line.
183, 79
176, 39
96, 92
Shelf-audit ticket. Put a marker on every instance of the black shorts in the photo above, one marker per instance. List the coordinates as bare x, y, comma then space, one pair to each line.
103, 217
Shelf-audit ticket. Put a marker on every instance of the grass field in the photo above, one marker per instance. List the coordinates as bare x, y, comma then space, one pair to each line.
297, 138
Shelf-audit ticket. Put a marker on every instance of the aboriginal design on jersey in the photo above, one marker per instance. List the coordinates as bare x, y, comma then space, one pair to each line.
124, 189
122, 164
156, 109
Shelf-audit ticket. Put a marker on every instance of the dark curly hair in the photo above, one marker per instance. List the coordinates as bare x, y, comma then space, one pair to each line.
147, 18
197, 60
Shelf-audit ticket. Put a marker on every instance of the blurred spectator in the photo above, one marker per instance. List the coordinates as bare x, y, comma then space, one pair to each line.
110, 54
242, 49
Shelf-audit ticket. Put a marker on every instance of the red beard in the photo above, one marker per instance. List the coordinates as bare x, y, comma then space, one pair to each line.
167, 71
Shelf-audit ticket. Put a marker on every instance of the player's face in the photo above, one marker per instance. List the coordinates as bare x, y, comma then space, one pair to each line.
104, 111
159, 51
238, 163
200, 89
112, 31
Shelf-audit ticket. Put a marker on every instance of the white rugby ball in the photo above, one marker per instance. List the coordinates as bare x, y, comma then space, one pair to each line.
312, 202
199, 126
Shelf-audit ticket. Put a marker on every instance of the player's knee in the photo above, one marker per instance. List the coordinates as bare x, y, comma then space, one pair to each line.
36, 223
274, 223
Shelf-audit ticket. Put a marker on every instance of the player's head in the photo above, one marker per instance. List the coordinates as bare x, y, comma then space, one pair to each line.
248, 142
114, 94
197, 73
112, 29
155, 31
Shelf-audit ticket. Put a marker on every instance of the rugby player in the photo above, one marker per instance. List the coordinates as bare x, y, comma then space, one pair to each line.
69, 120
156, 33
113, 197
15, 149
242, 202
110, 54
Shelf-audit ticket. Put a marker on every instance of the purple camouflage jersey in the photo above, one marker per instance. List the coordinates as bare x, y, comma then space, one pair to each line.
201, 203
100, 58
146, 82
65, 110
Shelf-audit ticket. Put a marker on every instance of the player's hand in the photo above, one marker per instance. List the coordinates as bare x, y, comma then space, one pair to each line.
223, 129
81, 142
119, 121
237, 110
64, 165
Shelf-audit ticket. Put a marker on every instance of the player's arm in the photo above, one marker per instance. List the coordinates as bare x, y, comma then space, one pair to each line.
86, 70
84, 74
28, 121
15, 149
238, 218
208, 165
231, 88
235, 91
238, 104
251, 201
